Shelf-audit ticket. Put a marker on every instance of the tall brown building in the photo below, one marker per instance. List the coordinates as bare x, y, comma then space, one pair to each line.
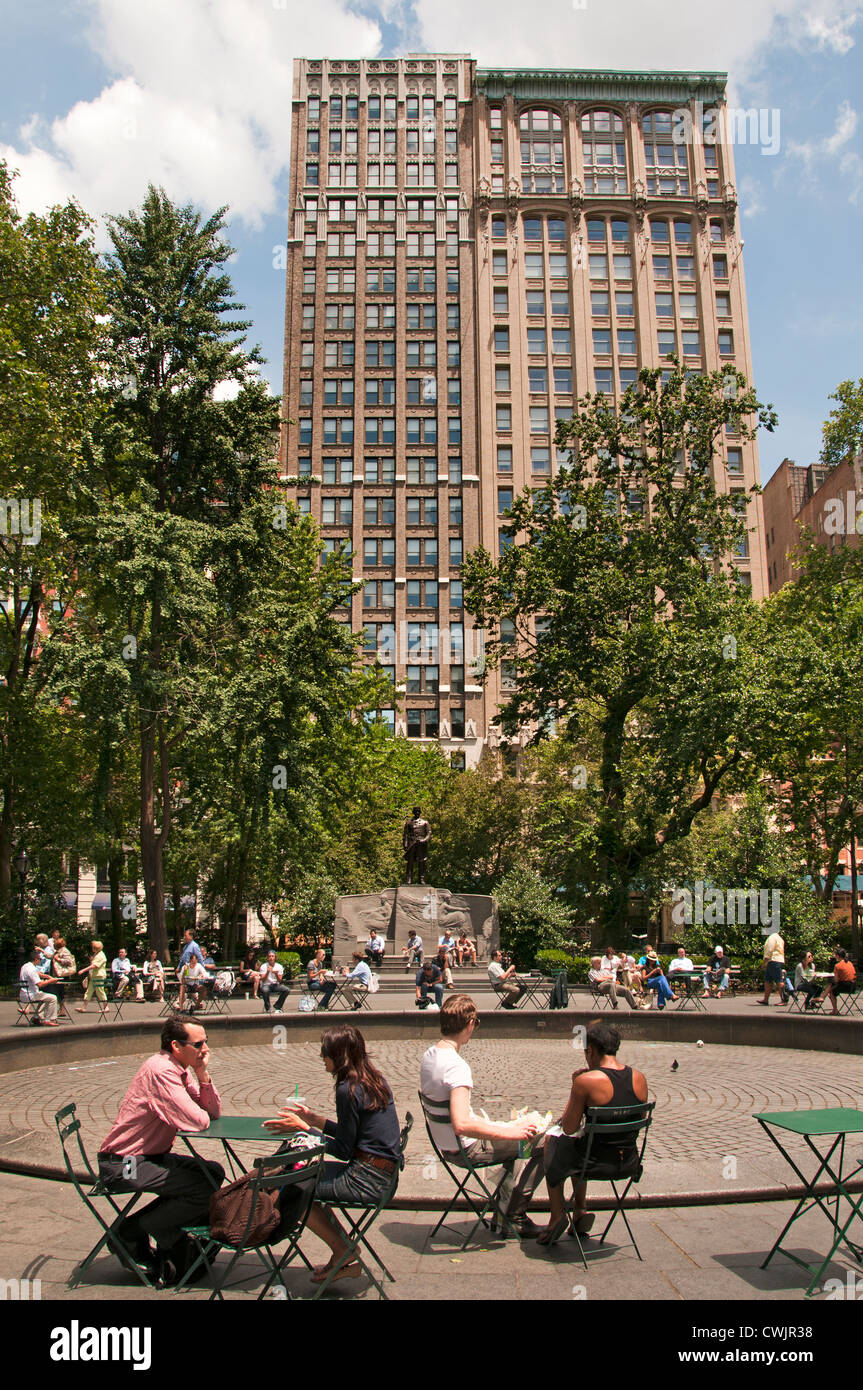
469, 251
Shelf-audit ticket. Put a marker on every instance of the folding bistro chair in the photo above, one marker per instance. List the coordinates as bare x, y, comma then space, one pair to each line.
482, 1200
359, 1225
68, 1125
629, 1130
271, 1174
601, 1000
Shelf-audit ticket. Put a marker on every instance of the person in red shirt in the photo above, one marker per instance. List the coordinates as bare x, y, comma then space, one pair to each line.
844, 976
171, 1091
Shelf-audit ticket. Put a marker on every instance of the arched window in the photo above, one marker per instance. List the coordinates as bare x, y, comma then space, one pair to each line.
541, 133
604, 149
665, 155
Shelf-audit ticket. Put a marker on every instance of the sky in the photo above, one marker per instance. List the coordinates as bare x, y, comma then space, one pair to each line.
98, 98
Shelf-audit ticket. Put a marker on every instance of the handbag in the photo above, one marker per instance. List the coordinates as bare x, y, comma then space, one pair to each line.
231, 1208
307, 1003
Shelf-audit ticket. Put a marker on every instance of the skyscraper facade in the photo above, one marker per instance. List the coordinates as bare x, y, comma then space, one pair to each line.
469, 252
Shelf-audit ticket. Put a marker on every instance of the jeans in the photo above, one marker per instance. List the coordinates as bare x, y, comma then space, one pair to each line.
326, 989
280, 991
184, 1192
352, 1182
438, 992
662, 987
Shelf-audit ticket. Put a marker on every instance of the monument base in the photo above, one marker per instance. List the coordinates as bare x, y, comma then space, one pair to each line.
414, 906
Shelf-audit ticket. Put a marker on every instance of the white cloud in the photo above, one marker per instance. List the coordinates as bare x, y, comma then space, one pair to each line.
817, 156
199, 101
751, 200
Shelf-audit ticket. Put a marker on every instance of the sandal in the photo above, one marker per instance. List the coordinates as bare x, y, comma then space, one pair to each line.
580, 1225
323, 1273
553, 1234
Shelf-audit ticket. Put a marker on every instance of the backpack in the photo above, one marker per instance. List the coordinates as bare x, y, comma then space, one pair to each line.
224, 982
231, 1207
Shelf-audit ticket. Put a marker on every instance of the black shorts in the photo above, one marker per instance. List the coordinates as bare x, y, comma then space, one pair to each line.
773, 973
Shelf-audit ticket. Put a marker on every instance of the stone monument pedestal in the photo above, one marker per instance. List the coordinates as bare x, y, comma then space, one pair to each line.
423, 907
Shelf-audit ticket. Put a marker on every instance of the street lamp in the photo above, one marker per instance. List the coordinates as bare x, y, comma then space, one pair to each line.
21, 863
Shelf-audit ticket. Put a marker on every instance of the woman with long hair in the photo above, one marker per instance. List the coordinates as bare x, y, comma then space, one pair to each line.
365, 1134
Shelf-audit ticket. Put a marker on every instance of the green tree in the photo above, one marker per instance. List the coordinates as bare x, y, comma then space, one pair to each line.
621, 616
842, 435
531, 919
51, 296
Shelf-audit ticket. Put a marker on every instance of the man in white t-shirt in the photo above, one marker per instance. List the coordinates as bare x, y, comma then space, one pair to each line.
413, 952
504, 982
446, 1081
271, 983
680, 962
32, 979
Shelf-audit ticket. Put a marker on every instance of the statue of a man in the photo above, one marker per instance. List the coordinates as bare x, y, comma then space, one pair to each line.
415, 839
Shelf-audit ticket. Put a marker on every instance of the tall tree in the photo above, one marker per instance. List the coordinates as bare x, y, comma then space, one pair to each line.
842, 435
620, 613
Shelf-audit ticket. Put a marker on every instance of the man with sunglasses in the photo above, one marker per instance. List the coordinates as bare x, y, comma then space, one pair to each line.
170, 1092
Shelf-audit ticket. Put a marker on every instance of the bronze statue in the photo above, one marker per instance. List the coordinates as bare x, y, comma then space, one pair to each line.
415, 839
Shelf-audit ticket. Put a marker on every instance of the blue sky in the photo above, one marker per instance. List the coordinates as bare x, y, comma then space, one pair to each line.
98, 97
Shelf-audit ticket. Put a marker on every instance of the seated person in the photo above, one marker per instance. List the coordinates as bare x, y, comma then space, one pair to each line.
504, 981
804, 980
375, 947
629, 974
680, 962
44, 1006
444, 962
413, 952
603, 1084
611, 961
316, 978
465, 950
429, 978
271, 983
249, 972
604, 982
446, 942
154, 976
843, 982
124, 974
446, 1077
193, 983
361, 976
654, 978
716, 976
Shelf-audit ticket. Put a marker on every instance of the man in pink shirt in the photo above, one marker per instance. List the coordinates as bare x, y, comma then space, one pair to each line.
171, 1091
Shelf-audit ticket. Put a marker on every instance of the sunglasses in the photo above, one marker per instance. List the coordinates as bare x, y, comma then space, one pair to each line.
197, 1046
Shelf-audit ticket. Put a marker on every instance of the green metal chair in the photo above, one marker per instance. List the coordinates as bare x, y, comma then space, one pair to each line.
483, 1200
69, 1130
628, 1131
360, 1224
269, 1175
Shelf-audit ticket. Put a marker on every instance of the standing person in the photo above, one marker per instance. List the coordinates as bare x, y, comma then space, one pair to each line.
271, 983
136, 1155
774, 967
365, 1133
154, 976
249, 972
317, 981
32, 980
96, 973
190, 949
415, 842
45, 947
504, 981
446, 1077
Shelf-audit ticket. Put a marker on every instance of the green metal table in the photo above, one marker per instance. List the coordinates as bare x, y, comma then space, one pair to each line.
231, 1129
834, 1126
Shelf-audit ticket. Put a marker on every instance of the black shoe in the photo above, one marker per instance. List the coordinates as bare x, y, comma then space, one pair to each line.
175, 1263
520, 1227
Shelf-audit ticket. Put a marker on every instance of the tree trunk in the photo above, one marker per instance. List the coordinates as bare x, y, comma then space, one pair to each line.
118, 924
7, 841
151, 848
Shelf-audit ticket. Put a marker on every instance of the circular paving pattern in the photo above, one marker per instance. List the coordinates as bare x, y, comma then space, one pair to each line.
704, 1108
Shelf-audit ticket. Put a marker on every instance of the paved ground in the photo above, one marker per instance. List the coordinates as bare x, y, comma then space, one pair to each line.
703, 1137
689, 1255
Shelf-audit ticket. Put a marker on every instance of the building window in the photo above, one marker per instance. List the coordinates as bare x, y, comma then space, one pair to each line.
720, 267
504, 458
666, 159
726, 342
604, 151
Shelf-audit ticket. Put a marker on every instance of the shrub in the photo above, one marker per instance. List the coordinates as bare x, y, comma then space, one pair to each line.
292, 963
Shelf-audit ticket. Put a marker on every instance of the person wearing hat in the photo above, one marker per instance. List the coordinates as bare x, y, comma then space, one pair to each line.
716, 976
653, 976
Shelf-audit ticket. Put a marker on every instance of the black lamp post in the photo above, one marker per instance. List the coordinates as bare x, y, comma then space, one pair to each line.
21, 863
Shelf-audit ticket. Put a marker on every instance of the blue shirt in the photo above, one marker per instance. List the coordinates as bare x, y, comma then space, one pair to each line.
190, 951
361, 972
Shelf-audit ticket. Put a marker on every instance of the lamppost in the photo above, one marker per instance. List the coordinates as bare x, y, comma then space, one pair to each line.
21, 863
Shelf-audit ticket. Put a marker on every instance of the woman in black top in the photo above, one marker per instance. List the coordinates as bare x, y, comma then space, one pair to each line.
249, 972
365, 1134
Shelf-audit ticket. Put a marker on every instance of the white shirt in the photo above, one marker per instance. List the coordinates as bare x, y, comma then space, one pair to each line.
272, 972
495, 970
193, 970
774, 949
121, 965
442, 1070
611, 963
415, 943
30, 980
375, 943
680, 963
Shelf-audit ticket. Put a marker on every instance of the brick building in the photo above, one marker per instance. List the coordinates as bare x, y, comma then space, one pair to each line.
828, 502
469, 250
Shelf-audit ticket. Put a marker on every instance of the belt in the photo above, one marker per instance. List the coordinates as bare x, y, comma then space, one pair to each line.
386, 1165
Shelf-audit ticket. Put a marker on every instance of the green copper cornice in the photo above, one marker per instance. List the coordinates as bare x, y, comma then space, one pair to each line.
581, 84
